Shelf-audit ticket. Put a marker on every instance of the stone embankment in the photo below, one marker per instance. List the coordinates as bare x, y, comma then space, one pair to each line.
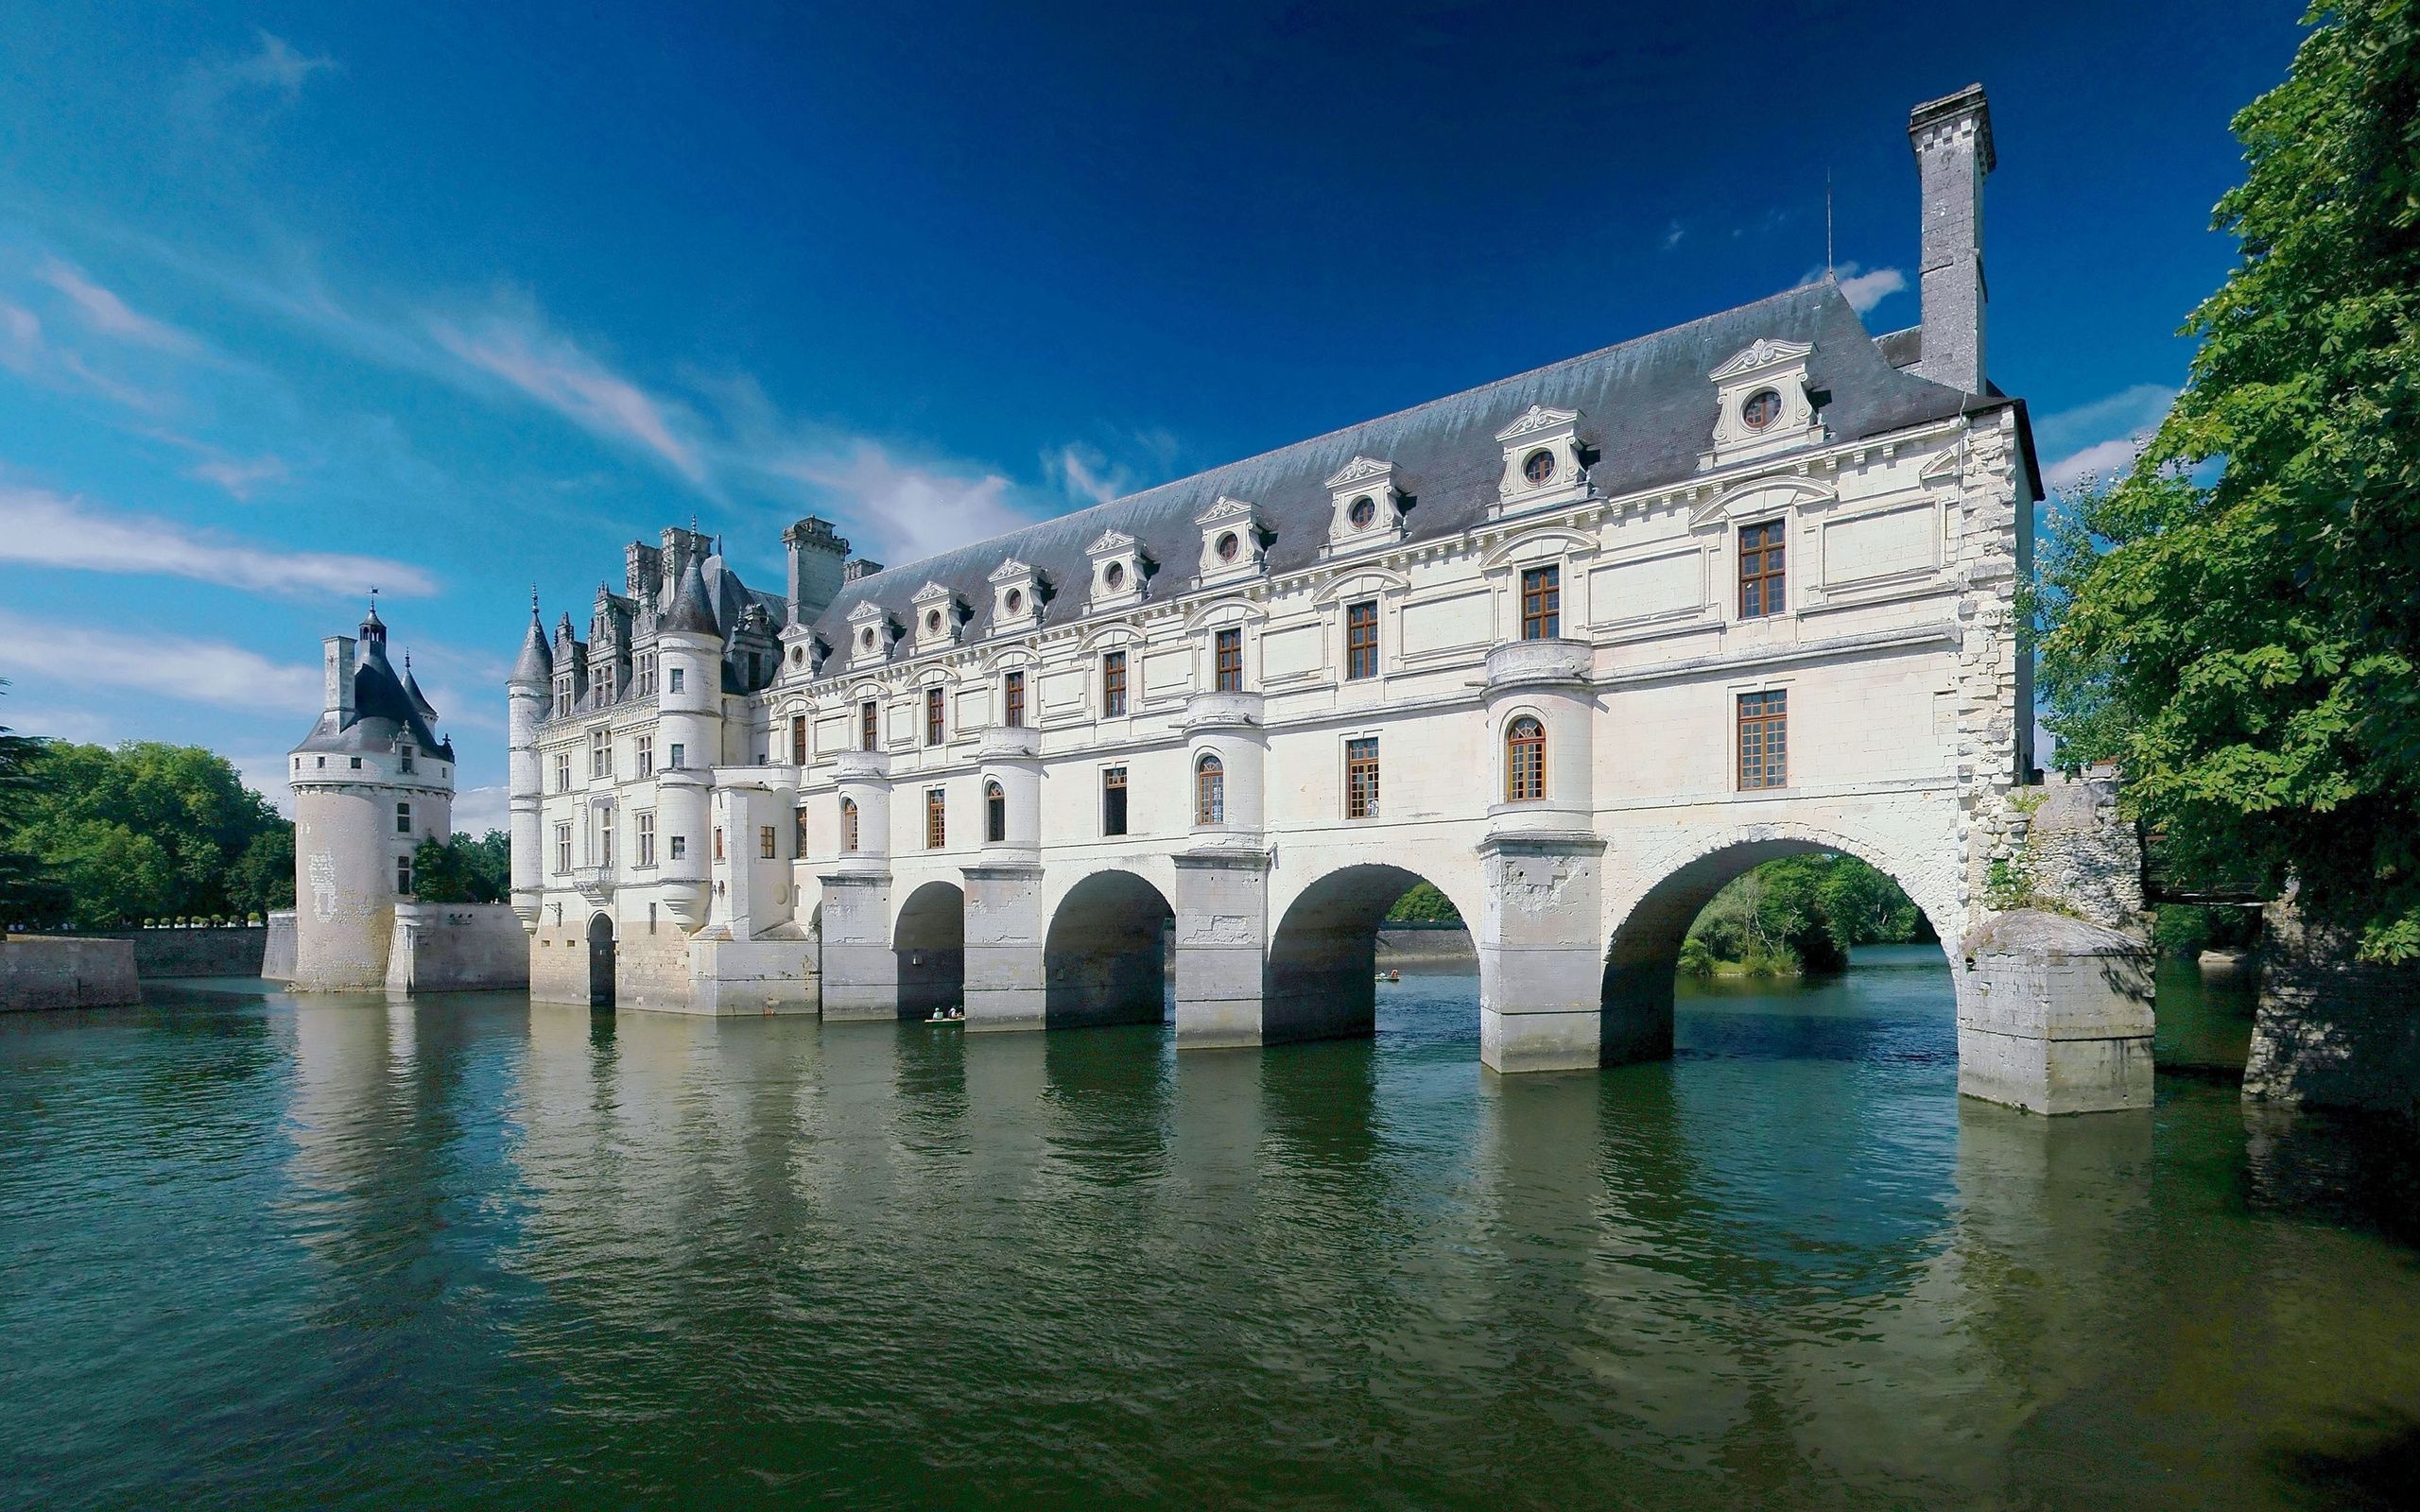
1415, 948
162, 953
65, 972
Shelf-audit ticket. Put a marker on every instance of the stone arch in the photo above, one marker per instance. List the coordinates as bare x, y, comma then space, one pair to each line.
1650, 921
1320, 982
929, 939
1104, 957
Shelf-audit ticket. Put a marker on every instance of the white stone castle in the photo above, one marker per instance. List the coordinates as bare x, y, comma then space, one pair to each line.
1576, 648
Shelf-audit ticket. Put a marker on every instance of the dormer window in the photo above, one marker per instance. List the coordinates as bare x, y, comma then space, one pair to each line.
1120, 571
1014, 601
1763, 403
871, 629
1231, 541
1016, 597
1761, 409
1544, 462
1369, 505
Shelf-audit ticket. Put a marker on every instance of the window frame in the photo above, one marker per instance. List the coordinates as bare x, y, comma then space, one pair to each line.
869, 724
403, 819
1768, 584
1113, 701
1769, 720
1525, 760
798, 740
1360, 760
644, 820
769, 842
1209, 789
995, 813
936, 819
1542, 602
1360, 639
936, 716
1013, 698
848, 825
1227, 659
1116, 814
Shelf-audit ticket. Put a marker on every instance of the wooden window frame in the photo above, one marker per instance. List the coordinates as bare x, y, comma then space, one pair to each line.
645, 824
769, 842
936, 817
1115, 817
1525, 760
1013, 698
1361, 763
935, 716
1113, 684
870, 725
1764, 569
798, 740
1542, 602
1360, 639
848, 826
1209, 789
1227, 660
996, 813
1762, 745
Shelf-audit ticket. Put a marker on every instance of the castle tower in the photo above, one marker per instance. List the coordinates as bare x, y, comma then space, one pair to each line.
370, 782
526, 694
689, 646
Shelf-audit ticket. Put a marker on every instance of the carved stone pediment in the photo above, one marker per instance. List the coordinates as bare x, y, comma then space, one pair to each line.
1765, 352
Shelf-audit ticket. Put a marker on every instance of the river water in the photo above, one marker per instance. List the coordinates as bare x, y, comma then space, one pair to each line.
468, 1251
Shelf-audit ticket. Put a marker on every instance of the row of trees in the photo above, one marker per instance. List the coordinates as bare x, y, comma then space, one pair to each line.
97, 837
2233, 620
1800, 914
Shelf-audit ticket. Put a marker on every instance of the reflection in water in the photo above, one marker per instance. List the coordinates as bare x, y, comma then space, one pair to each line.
472, 1250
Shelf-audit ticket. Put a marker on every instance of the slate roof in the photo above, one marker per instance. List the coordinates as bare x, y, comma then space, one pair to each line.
1647, 406
383, 712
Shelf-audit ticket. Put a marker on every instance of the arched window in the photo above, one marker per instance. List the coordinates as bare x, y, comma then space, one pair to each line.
1209, 791
847, 824
802, 833
1525, 761
996, 813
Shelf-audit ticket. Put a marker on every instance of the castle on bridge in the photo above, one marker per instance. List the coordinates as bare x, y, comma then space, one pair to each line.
1576, 648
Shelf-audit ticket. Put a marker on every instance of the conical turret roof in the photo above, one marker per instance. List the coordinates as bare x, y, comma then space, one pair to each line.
411, 689
691, 608
537, 660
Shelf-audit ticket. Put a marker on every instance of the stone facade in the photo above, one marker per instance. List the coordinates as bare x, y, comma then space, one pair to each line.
2330, 1030
1576, 648
65, 972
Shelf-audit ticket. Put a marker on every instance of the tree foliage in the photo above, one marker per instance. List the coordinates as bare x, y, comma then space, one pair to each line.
459, 869
146, 830
1800, 913
29, 894
2233, 620
1424, 904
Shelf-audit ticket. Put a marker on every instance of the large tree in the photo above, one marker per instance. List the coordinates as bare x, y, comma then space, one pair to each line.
149, 830
2233, 620
29, 894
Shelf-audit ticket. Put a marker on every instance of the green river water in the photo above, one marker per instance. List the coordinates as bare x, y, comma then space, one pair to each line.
468, 1251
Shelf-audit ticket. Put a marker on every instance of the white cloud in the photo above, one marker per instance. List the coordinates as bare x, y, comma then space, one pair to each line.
42, 527
911, 512
1086, 474
240, 478
108, 314
477, 810
28, 352
1672, 235
266, 772
516, 347
1864, 290
176, 666
2103, 438
274, 67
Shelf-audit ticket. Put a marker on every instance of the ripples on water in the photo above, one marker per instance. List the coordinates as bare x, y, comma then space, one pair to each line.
469, 1250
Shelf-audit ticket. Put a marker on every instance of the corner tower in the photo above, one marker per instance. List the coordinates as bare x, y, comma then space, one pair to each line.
370, 782
526, 694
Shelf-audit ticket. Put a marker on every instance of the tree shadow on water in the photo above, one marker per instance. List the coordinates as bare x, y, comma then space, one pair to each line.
2371, 1461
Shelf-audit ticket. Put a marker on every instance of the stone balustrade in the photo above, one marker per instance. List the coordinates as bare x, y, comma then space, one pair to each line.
1536, 663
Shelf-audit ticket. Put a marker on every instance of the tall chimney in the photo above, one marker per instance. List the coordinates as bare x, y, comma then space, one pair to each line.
1952, 138
336, 656
817, 552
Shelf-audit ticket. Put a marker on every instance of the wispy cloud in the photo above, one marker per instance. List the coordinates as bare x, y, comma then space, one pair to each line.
515, 346
1865, 287
1673, 235
175, 666
109, 315
44, 528
477, 810
274, 68
240, 477
2102, 438
1085, 474
27, 350
911, 511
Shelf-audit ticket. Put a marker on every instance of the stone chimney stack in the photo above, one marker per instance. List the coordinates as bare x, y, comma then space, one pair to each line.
817, 552
859, 567
335, 653
1952, 138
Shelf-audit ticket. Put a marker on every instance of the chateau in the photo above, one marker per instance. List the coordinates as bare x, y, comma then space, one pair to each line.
1576, 648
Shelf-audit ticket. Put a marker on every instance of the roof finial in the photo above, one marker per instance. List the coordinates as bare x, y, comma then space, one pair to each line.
1827, 220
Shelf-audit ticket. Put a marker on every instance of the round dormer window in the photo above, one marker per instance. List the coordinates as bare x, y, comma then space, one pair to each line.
865, 638
1538, 467
1762, 408
933, 621
1228, 547
1115, 574
797, 656
1016, 600
1362, 511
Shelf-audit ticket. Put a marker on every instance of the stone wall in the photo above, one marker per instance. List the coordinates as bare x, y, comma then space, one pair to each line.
277, 960
163, 953
65, 972
2079, 853
2331, 1031
456, 948
2054, 1015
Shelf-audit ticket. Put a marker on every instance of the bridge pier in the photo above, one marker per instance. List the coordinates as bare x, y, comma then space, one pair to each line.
1005, 986
1540, 967
860, 974
1221, 933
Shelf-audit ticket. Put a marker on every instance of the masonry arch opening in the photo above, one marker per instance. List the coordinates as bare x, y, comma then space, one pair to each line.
1774, 911
930, 943
1107, 957
600, 960
1336, 939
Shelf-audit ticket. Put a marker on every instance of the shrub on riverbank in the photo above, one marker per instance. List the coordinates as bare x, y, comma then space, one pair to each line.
1800, 914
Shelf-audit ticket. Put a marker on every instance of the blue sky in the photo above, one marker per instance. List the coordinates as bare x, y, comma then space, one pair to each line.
453, 300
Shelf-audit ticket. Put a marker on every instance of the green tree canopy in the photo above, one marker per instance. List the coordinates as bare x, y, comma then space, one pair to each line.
149, 830
29, 893
462, 870
2233, 620
1802, 913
